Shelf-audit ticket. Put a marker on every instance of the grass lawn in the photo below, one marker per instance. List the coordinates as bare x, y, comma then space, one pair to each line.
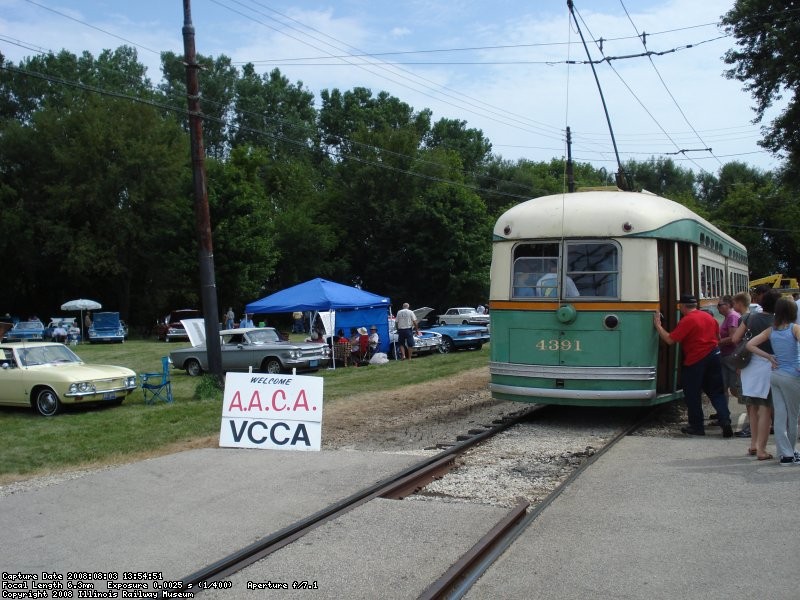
91, 436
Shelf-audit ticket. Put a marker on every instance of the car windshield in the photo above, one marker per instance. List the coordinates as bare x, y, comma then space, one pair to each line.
29, 325
42, 355
106, 320
263, 336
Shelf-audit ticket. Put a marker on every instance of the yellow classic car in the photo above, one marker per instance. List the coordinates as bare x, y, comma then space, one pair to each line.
47, 375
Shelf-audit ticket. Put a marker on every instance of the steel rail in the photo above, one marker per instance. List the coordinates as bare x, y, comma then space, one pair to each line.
456, 582
394, 486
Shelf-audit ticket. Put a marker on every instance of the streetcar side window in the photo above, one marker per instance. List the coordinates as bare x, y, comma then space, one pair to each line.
594, 267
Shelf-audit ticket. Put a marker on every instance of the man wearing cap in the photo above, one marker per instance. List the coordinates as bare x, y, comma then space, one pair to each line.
698, 334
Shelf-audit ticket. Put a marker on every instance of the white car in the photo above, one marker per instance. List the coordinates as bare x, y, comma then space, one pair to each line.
463, 316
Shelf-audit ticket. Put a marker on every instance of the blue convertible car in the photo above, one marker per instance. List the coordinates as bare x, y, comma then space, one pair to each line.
453, 336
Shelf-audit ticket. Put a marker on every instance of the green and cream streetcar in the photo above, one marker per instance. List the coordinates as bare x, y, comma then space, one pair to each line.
575, 280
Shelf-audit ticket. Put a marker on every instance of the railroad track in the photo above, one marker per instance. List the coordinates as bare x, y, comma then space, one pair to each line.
397, 486
464, 572
457, 581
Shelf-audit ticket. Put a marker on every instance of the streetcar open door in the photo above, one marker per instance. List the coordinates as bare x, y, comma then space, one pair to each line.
677, 266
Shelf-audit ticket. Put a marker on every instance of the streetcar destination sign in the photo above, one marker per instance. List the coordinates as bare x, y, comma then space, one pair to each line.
274, 412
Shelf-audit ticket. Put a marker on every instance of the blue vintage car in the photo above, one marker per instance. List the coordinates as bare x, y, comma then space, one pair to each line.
453, 337
106, 327
24, 331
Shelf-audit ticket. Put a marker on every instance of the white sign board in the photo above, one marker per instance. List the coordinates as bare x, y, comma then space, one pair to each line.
274, 412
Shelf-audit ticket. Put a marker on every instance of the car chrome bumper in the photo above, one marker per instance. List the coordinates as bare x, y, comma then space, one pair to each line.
100, 393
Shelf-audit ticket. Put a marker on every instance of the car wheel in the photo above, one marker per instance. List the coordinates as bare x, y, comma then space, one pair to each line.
272, 365
193, 368
47, 403
465, 322
447, 345
442, 322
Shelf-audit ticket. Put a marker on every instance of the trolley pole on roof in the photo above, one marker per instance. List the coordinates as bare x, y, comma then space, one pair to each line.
622, 182
202, 216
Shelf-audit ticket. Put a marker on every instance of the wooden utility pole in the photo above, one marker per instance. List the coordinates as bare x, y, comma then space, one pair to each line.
208, 284
570, 168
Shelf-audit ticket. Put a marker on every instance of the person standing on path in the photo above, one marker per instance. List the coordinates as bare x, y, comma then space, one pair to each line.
698, 334
406, 321
756, 375
784, 337
730, 321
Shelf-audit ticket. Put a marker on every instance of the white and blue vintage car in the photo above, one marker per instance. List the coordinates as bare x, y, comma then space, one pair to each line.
453, 337
106, 327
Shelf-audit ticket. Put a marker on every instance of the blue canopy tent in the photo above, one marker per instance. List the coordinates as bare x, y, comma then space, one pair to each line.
351, 306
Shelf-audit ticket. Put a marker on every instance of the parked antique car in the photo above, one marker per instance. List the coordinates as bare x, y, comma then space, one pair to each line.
71, 331
463, 316
106, 327
47, 375
454, 337
427, 342
30, 330
258, 347
170, 327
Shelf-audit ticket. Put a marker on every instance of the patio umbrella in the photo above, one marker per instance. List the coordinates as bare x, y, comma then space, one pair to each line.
81, 304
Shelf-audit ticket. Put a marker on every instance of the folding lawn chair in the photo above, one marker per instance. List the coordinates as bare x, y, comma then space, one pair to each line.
157, 386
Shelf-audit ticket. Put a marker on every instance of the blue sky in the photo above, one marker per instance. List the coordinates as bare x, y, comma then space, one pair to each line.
499, 66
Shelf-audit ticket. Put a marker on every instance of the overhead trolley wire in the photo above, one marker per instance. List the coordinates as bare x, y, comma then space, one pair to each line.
472, 48
580, 136
666, 88
635, 96
114, 35
299, 143
472, 107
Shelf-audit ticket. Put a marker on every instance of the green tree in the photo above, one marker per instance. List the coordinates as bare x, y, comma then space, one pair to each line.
272, 113
663, 177
766, 59
96, 184
470, 145
217, 79
243, 224
372, 143
446, 236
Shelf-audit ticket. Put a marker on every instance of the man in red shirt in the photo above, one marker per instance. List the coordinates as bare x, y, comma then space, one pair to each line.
698, 334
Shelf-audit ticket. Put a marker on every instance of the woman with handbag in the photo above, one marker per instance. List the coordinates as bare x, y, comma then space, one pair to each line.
756, 375
784, 359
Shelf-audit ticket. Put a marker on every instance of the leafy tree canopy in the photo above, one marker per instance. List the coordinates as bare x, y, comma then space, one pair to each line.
767, 60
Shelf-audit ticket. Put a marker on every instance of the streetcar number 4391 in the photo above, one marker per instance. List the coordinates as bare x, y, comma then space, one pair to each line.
562, 345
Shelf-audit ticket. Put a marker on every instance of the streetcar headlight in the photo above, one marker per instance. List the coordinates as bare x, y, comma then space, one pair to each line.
611, 321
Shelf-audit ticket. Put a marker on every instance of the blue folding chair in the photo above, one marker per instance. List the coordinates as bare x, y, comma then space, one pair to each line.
157, 386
